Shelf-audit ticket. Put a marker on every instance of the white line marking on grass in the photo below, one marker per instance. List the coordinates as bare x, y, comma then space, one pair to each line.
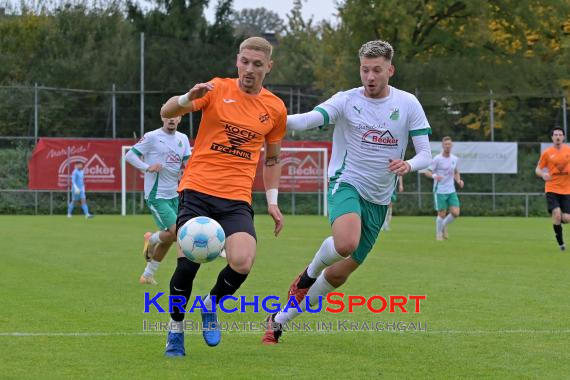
151, 333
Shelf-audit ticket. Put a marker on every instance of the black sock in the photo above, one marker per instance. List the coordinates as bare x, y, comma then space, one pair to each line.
558, 232
305, 281
228, 282
181, 283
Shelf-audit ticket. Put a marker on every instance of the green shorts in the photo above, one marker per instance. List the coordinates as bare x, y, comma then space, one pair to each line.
344, 199
164, 211
394, 197
444, 201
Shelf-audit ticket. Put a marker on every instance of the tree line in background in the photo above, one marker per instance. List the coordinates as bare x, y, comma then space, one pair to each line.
450, 53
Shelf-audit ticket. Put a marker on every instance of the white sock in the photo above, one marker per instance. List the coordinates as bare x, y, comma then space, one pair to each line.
208, 302
321, 287
388, 218
448, 219
176, 327
155, 238
286, 316
151, 268
439, 224
325, 256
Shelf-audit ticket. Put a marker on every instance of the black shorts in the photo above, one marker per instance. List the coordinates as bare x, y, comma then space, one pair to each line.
555, 200
234, 216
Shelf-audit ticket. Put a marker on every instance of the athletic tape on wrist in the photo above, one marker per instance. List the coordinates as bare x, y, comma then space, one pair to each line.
271, 196
183, 100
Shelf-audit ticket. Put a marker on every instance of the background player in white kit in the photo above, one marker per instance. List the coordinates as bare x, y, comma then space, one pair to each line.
164, 154
444, 173
372, 126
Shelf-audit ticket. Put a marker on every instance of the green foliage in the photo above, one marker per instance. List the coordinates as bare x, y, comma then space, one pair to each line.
256, 22
450, 53
296, 52
452, 50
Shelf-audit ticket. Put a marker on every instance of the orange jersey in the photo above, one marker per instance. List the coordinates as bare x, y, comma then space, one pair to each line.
556, 161
232, 132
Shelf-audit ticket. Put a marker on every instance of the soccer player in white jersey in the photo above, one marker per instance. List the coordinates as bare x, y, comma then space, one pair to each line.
444, 172
372, 126
161, 154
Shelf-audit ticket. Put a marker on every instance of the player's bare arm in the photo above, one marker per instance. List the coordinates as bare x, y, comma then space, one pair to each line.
542, 173
181, 105
271, 178
155, 168
458, 179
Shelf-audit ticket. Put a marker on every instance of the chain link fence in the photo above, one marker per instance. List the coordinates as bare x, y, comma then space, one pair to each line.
28, 113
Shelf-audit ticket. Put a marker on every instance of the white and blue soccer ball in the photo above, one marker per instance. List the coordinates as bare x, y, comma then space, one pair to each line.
201, 239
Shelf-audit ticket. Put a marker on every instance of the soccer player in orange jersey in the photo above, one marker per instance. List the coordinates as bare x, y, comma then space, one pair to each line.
553, 168
239, 117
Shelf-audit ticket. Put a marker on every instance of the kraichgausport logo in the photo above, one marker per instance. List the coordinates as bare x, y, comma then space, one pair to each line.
237, 136
337, 303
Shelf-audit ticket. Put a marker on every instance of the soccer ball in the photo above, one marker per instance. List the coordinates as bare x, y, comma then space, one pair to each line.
201, 239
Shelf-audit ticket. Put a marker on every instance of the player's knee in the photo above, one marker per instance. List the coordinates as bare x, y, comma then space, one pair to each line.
242, 263
455, 213
345, 247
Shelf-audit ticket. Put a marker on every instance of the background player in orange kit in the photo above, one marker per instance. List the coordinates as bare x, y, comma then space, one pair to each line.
553, 169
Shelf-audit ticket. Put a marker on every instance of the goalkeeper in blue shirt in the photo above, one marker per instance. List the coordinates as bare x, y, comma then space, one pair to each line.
78, 191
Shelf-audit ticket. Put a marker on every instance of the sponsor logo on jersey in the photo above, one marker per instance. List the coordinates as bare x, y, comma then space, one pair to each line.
237, 136
395, 114
376, 137
173, 158
230, 101
264, 117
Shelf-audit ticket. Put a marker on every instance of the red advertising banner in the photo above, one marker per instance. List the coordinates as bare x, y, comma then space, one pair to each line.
53, 162
301, 170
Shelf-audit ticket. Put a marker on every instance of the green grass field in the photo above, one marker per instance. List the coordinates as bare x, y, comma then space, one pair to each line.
498, 304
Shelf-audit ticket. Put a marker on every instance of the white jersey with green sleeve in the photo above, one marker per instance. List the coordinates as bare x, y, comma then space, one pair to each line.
445, 168
169, 150
368, 133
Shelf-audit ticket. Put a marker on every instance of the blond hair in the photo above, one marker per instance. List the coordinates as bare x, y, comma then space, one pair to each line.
375, 49
446, 138
257, 43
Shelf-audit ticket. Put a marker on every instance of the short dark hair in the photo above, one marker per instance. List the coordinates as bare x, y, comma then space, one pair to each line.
557, 129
